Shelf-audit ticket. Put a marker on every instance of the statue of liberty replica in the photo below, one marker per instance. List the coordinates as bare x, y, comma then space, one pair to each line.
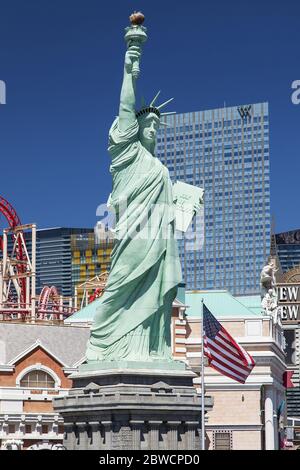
130, 393
132, 319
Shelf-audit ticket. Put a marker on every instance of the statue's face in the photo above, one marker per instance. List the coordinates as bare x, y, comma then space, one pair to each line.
148, 129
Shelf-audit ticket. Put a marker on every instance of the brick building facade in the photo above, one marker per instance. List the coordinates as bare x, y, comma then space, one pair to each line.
35, 362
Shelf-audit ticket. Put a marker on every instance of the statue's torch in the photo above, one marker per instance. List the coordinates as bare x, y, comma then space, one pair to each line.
135, 36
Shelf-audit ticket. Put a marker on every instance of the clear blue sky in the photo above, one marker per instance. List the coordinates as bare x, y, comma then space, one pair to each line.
62, 61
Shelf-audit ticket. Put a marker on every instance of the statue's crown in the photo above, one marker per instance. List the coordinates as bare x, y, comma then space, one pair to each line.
148, 110
153, 109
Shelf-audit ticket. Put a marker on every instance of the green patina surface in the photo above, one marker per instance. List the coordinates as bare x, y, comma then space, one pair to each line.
221, 304
131, 321
125, 365
253, 302
87, 313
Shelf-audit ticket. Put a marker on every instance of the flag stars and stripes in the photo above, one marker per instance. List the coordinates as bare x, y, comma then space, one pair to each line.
223, 352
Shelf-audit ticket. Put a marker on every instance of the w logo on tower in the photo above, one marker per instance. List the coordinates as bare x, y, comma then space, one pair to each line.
245, 111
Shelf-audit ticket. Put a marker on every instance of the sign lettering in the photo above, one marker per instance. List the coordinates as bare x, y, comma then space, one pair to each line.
289, 302
244, 111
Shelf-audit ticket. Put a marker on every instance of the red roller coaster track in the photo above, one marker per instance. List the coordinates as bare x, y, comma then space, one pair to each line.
13, 220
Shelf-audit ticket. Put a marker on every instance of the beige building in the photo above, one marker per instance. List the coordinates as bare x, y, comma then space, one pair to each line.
247, 416
36, 360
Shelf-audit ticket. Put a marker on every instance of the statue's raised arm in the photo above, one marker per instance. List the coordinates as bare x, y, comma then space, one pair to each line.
134, 37
127, 98
132, 318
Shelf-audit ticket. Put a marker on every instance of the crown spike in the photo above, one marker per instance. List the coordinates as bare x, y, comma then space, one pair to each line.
165, 103
155, 98
168, 113
165, 124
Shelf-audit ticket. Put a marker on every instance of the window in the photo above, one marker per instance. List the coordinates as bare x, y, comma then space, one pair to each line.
28, 428
290, 346
222, 440
37, 379
61, 429
11, 428
44, 429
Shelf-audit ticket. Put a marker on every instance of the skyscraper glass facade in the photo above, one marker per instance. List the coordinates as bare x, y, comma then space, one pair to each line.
288, 249
91, 256
225, 151
54, 258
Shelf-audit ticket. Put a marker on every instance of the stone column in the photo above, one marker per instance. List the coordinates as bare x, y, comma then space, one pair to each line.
83, 437
96, 435
198, 439
108, 434
22, 429
269, 418
136, 427
173, 435
38, 426
5, 430
124, 439
190, 434
154, 434
69, 436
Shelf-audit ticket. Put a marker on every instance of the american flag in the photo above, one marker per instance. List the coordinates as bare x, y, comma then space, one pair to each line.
223, 352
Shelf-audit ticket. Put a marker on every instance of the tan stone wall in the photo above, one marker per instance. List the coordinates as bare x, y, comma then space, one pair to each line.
241, 439
209, 440
194, 329
234, 407
266, 328
37, 407
246, 440
174, 327
234, 328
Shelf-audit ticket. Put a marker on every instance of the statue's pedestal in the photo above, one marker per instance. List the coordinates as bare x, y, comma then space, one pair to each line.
132, 405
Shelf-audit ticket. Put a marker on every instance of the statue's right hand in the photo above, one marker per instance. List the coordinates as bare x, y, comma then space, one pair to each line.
132, 54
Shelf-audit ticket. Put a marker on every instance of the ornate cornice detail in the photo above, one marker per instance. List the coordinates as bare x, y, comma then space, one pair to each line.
293, 275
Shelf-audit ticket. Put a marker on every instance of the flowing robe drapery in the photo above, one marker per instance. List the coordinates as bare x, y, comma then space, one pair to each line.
132, 318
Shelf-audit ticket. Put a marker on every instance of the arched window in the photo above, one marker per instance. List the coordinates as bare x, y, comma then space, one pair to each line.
37, 379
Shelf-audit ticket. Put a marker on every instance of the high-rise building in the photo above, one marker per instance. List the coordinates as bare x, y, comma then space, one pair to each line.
225, 151
67, 257
288, 249
54, 258
91, 253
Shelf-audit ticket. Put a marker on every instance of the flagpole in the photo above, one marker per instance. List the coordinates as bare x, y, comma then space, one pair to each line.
202, 381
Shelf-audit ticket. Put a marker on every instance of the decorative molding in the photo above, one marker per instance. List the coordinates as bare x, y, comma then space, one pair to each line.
180, 331
193, 354
38, 367
223, 430
180, 341
230, 319
292, 275
234, 427
6, 368
36, 344
78, 363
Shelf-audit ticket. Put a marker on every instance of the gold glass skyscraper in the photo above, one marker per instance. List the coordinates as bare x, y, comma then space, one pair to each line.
91, 253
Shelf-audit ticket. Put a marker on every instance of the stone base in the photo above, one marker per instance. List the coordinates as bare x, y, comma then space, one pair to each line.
129, 408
